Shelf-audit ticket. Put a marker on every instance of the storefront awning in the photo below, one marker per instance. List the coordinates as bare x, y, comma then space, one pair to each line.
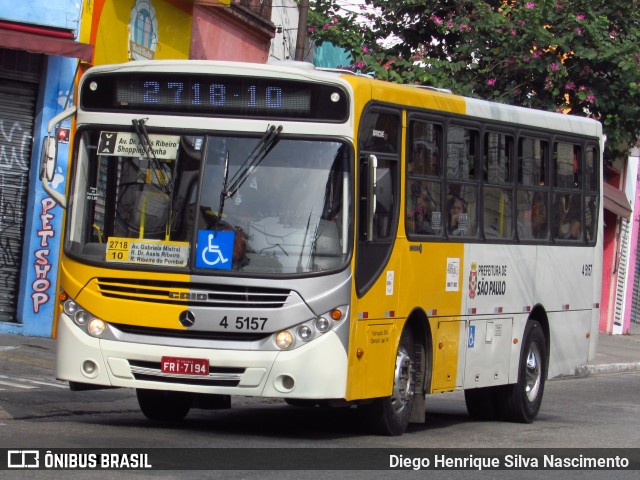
616, 201
46, 44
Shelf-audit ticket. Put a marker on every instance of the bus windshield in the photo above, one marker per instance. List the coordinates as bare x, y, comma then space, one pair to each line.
278, 205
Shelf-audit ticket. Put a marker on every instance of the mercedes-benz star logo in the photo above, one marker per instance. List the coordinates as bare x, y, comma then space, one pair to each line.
187, 318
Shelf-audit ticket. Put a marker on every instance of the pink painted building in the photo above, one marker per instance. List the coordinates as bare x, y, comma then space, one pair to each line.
631, 318
241, 32
620, 305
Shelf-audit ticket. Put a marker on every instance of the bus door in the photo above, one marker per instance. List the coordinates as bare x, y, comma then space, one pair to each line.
377, 332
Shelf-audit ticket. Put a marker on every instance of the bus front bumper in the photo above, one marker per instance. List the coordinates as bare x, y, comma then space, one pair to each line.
317, 370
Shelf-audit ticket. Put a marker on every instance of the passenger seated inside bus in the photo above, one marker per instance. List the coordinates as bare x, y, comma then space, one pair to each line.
567, 225
533, 221
458, 216
422, 207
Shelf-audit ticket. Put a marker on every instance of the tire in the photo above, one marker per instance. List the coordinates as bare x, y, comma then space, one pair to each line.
481, 403
390, 415
521, 401
163, 405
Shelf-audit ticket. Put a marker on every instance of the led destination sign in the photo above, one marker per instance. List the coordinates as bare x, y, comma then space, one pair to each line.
186, 94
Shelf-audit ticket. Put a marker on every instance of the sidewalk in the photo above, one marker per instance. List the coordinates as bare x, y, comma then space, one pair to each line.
615, 354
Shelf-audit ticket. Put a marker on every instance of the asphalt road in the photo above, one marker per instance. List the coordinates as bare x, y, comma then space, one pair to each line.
36, 411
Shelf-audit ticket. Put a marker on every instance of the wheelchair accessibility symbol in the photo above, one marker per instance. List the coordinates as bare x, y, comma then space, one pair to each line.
472, 336
215, 249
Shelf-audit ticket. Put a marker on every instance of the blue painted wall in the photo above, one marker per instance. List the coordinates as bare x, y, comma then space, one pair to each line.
38, 276
43, 223
50, 13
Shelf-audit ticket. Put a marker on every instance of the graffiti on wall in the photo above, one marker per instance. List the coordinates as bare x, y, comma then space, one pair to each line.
42, 265
15, 141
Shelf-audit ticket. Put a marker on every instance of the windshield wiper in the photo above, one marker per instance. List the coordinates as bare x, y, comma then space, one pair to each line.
156, 166
304, 240
164, 177
259, 152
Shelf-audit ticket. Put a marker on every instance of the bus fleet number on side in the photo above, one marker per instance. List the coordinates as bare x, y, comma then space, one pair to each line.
245, 323
586, 269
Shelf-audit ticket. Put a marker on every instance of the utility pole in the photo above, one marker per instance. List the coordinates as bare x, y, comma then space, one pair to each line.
303, 10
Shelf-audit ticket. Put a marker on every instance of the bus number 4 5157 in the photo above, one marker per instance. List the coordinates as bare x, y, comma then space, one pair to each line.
246, 323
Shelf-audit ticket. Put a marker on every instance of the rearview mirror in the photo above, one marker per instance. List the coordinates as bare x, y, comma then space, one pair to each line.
49, 158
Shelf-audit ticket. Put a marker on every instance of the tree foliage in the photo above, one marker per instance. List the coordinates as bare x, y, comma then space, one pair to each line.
574, 56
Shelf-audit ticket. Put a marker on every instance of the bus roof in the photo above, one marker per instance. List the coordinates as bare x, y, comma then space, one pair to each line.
438, 99
387, 92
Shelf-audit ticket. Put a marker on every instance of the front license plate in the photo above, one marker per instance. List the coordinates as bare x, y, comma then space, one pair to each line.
185, 366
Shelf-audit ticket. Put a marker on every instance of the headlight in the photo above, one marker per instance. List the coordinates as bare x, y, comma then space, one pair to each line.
322, 324
305, 333
70, 307
96, 327
81, 317
92, 325
310, 330
284, 339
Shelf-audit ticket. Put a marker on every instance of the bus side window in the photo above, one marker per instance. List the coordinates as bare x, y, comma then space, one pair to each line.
497, 212
383, 217
462, 144
567, 197
462, 185
424, 209
424, 214
462, 211
532, 215
498, 191
533, 220
591, 196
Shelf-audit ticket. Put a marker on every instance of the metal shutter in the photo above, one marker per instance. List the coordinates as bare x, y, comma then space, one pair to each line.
17, 111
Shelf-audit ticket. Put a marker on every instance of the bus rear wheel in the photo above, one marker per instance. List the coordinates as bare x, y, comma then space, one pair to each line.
521, 401
390, 415
164, 406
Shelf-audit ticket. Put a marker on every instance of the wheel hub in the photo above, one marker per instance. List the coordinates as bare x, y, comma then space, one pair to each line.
403, 382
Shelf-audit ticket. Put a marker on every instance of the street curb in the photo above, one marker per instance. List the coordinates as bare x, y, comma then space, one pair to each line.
586, 370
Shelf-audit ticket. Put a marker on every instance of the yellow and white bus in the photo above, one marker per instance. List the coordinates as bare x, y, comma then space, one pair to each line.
324, 238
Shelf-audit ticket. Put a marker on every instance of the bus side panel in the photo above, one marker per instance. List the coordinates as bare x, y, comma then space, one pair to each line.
431, 281
488, 355
376, 326
431, 278
564, 286
372, 374
499, 280
426, 269
449, 338
569, 342
565, 278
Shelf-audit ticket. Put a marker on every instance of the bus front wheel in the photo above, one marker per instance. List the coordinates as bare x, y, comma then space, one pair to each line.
522, 400
163, 405
390, 415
